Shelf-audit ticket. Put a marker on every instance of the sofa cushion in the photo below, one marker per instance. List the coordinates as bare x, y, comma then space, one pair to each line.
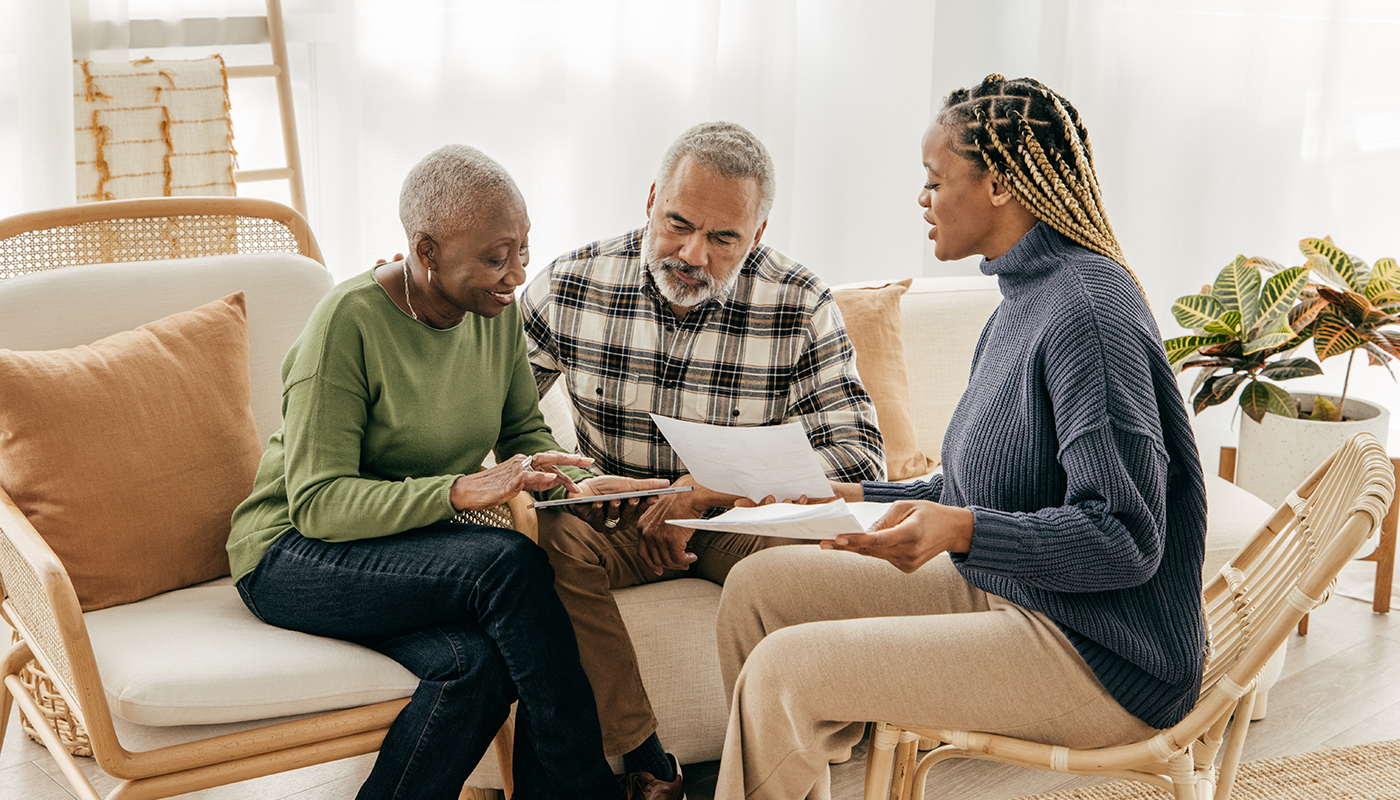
130, 454
198, 656
876, 329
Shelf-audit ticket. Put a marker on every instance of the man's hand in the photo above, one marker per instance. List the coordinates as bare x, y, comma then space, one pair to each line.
850, 492
910, 534
662, 546
615, 515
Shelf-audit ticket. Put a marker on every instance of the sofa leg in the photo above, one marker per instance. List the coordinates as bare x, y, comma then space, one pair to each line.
1261, 706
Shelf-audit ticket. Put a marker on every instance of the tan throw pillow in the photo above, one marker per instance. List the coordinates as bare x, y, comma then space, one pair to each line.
129, 455
877, 332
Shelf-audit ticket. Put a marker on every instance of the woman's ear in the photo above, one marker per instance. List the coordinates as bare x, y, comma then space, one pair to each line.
1000, 193
425, 249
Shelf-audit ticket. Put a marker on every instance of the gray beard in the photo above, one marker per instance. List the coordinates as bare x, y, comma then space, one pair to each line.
673, 290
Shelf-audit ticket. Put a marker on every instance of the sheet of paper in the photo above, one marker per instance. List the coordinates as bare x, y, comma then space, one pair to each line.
791, 521
753, 462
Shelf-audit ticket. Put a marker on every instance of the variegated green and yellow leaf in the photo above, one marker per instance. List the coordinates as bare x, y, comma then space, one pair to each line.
1272, 337
1237, 288
1376, 286
1266, 264
1216, 391
1328, 259
1227, 325
1332, 335
1195, 311
1387, 270
1280, 293
1183, 346
1291, 368
1260, 398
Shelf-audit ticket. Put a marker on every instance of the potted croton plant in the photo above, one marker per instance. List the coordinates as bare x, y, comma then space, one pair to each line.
1249, 331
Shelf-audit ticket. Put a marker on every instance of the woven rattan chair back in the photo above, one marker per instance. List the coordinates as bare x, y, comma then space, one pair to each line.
149, 229
1251, 606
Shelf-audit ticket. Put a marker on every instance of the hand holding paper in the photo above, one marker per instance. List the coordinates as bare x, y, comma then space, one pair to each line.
752, 462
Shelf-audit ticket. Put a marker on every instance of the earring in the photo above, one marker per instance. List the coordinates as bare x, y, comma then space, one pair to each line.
430, 276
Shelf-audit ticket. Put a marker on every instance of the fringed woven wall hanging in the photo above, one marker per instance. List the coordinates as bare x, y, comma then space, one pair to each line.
152, 128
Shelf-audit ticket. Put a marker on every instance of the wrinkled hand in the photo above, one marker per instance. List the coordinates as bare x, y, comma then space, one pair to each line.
662, 546
490, 488
615, 516
397, 257
910, 534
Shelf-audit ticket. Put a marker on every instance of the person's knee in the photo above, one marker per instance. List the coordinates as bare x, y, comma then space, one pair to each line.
567, 540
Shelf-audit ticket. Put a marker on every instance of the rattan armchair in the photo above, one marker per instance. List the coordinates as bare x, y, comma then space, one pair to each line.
1284, 572
51, 670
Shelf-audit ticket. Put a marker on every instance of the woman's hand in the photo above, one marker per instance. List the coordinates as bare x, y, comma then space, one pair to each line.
520, 473
615, 516
910, 534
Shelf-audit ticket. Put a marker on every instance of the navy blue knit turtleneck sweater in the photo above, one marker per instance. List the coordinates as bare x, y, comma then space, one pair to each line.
1072, 448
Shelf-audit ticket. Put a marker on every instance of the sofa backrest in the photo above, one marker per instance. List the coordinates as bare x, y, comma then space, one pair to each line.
943, 319
78, 305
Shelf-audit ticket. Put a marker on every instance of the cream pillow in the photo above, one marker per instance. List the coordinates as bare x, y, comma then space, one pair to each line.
876, 329
128, 455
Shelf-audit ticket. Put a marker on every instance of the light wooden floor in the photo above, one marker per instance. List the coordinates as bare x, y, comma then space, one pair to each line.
1341, 687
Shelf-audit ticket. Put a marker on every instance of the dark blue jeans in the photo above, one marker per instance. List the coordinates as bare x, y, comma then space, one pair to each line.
471, 611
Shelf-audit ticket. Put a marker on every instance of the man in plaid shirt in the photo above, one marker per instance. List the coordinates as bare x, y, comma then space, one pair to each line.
688, 317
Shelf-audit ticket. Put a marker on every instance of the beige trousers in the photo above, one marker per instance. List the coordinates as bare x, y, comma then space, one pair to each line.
815, 643
588, 565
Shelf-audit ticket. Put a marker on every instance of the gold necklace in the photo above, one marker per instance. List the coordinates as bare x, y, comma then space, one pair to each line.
406, 298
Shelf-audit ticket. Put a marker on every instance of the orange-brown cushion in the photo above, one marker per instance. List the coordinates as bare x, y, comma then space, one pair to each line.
128, 455
877, 332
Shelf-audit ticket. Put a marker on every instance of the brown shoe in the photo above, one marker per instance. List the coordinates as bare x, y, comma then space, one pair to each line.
645, 786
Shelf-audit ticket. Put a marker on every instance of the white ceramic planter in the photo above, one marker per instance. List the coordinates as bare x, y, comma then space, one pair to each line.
1277, 454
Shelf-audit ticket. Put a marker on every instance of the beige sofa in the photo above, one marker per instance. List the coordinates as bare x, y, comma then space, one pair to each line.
673, 623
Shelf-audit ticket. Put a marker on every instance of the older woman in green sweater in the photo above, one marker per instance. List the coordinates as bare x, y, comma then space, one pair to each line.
404, 380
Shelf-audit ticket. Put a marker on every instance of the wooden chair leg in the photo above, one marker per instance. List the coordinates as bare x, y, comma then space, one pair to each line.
906, 756
879, 758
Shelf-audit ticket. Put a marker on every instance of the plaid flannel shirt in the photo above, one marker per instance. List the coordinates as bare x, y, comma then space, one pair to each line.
774, 350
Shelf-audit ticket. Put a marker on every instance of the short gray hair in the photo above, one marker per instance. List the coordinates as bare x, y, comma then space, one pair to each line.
729, 149
450, 190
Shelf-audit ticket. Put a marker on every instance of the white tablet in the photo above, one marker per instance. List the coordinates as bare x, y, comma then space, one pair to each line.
603, 498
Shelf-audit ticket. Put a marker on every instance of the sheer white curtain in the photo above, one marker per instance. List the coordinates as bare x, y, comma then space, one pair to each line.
579, 100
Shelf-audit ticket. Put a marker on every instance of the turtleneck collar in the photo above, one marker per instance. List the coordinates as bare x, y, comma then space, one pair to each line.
1027, 261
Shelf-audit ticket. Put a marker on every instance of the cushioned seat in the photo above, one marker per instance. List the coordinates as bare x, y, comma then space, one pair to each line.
202, 658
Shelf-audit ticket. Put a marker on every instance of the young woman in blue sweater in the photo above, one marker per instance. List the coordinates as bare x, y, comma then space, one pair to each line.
1048, 582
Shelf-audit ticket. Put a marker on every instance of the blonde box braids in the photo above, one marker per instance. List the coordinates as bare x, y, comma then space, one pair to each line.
1032, 140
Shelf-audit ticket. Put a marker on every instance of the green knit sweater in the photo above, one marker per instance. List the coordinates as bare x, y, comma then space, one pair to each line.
380, 414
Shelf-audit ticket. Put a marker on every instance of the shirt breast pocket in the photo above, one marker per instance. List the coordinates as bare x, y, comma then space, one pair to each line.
609, 407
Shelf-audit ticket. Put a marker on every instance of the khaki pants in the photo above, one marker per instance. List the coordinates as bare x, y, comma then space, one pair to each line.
815, 643
588, 565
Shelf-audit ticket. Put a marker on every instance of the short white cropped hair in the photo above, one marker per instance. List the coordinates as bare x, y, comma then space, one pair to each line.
729, 149
450, 190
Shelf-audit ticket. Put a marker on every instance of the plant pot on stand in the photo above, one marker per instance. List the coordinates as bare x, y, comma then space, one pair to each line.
1276, 454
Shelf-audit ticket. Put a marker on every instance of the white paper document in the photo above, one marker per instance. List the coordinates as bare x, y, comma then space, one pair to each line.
753, 462
791, 521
